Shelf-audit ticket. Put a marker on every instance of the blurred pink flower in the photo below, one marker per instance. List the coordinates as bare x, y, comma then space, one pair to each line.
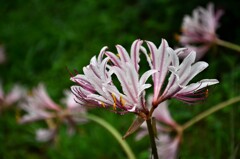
69, 101
162, 115
199, 31
74, 108
39, 106
44, 135
167, 146
12, 97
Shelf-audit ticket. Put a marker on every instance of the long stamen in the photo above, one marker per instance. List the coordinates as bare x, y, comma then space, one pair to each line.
150, 55
103, 104
122, 101
114, 101
206, 93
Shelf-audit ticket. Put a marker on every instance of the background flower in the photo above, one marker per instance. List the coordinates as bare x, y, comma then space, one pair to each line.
39, 106
12, 97
199, 31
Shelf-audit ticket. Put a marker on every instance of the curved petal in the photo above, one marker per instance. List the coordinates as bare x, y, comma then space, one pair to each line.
123, 53
135, 48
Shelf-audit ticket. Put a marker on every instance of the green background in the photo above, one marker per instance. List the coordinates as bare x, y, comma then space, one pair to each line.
43, 38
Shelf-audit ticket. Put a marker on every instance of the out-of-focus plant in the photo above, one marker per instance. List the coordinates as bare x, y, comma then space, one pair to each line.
39, 106
2, 54
199, 31
12, 97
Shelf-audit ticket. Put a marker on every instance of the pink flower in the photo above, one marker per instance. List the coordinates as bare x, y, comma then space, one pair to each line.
12, 97
39, 106
167, 146
74, 108
199, 31
44, 135
162, 115
165, 60
96, 87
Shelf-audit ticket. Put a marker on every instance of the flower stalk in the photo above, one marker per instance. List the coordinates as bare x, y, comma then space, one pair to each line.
210, 111
227, 44
101, 122
152, 138
114, 132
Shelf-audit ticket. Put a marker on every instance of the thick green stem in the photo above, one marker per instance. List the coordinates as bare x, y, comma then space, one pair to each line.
227, 44
114, 132
210, 111
152, 138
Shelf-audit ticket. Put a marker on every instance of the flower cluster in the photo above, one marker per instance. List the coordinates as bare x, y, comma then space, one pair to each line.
8, 99
39, 106
199, 31
96, 86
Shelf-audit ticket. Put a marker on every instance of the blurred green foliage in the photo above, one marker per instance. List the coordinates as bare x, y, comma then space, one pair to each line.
43, 38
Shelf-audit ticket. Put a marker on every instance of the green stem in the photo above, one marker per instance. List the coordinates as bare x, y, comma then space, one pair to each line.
227, 44
152, 138
114, 132
210, 111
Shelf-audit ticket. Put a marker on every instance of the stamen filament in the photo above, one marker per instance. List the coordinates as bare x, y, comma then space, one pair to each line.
103, 104
114, 101
122, 101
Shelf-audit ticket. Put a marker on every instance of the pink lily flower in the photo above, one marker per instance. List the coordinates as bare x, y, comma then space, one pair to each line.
166, 61
12, 97
96, 87
199, 31
38, 105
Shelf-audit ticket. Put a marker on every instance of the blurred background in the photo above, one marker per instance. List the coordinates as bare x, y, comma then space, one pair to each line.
43, 38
